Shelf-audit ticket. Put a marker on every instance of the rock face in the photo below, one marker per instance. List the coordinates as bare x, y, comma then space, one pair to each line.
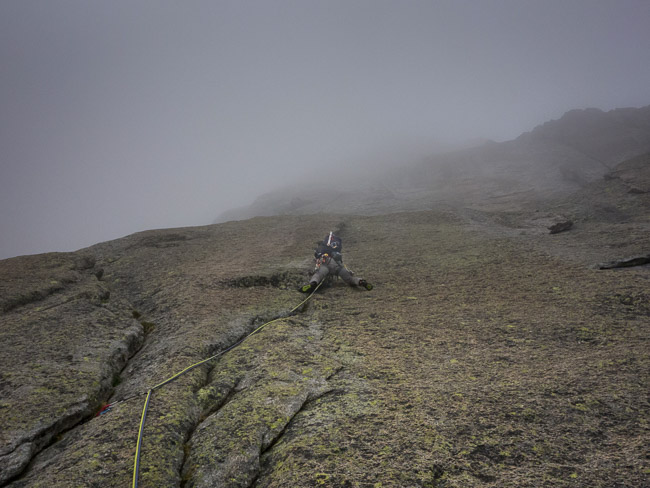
634, 174
605, 137
65, 340
560, 227
486, 355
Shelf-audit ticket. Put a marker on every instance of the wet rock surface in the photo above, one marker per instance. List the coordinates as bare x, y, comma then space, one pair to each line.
65, 339
488, 354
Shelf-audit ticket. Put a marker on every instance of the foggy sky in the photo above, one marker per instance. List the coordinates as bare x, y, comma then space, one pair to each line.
120, 116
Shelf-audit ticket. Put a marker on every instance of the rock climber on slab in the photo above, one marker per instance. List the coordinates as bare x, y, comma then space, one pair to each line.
329, 262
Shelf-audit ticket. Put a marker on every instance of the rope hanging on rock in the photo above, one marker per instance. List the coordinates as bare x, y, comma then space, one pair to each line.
138, 448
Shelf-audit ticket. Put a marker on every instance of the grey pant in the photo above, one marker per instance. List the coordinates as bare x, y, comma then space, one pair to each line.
332, 267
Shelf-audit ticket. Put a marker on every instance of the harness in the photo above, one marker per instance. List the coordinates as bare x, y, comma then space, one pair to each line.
323, 259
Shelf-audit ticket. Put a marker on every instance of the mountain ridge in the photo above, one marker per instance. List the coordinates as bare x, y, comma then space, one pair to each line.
554, 159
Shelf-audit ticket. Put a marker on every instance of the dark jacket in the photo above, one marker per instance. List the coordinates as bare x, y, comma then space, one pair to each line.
333, 250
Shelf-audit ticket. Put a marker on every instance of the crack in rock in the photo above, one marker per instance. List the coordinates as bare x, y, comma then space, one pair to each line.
226, 448
15, 463
236, 456
311, 398
626, 263
213, 396
48, 274
269, 443
283, 280
63, 362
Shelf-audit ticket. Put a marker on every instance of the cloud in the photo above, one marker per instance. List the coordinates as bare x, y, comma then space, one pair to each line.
121, 116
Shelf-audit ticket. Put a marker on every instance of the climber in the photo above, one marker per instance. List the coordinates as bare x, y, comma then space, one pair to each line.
329, 261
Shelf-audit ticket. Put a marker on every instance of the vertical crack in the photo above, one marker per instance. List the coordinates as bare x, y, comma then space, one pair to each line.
311, 398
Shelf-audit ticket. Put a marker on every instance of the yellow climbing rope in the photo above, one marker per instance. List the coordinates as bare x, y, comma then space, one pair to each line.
138, 448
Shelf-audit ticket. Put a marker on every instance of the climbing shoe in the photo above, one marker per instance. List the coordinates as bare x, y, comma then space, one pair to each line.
307, 288
365, 284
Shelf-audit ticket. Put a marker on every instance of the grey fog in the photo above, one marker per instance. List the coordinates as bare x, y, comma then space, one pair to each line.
122, 116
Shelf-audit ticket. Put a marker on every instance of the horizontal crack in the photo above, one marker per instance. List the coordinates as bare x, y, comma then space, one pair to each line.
626, 263
284, 279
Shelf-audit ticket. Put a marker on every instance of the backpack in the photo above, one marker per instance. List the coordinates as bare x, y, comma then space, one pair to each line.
334, 242
331, 245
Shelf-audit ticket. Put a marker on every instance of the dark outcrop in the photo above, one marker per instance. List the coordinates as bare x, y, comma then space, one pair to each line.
627, 262
605, 137
560, 227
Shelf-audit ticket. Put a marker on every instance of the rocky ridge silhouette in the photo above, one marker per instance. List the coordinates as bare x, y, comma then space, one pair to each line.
553, 160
